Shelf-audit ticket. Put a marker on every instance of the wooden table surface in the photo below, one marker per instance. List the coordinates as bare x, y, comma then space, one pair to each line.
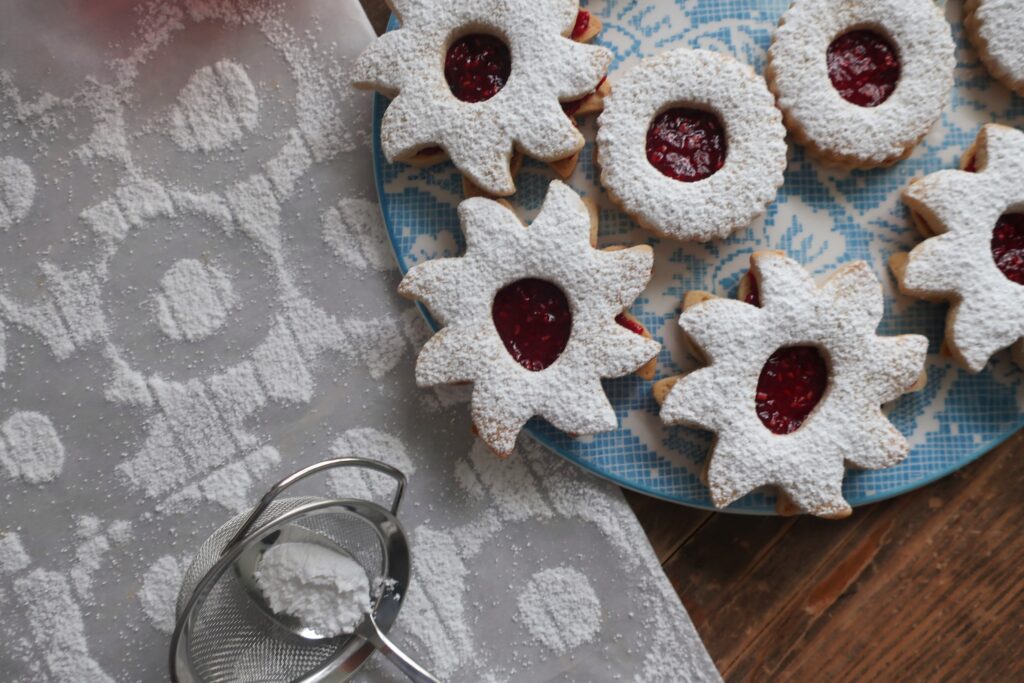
925, 587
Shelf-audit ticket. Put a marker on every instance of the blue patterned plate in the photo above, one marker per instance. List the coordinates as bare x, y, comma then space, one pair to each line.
822, 218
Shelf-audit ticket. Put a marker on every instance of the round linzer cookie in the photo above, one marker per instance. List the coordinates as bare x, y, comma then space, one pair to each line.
974, 255
861, 82
996, 29
478, 80
794, 381
691, 145
533, 317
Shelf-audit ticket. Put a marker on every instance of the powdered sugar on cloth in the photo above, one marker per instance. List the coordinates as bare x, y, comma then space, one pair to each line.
196, 298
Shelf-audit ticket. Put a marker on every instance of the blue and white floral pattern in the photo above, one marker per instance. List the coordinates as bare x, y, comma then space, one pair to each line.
822, 217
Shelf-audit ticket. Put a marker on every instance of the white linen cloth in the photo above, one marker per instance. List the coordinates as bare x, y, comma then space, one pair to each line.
196, 298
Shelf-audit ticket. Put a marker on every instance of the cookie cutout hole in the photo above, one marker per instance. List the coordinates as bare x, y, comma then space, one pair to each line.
686, 144
534, 322
1008, 246
477, 66
792, 382
864, 67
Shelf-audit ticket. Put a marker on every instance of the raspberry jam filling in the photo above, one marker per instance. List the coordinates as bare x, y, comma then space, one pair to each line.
582, 24
753, 296
792, 382
534, 321
630, 324
1008, 246
477, 66
573, 106
863, 67
686, 144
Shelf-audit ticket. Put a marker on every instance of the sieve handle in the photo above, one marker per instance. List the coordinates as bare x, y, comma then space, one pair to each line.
291, 479
369, 630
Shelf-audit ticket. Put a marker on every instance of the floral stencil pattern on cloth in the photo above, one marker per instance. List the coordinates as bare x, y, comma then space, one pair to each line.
196, 297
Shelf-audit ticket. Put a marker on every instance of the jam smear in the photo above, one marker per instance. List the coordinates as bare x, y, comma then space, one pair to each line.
477, 66
1008, 246
686, 144
582, 24
792, 382
863, 67
972, 165
534, 321
630, 324
573, 106
753, 296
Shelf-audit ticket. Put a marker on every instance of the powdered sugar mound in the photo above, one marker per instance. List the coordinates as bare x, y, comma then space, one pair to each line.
33, 450
356, 482
355, 232
196, 300
216, 107
327, 591
17, 191
560, 608
159, 593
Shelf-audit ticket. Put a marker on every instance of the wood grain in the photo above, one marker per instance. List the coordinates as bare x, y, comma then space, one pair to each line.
926, 587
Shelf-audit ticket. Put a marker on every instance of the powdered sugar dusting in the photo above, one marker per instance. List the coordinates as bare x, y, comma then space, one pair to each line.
33, 450
560, 608
547, 68
962, 209
366, 442
356, 233
57, 628
842, 131
556, 247
996, 27
13, 557
847, 426
160, 585
196, 300
216, 108
756, 158
17, 191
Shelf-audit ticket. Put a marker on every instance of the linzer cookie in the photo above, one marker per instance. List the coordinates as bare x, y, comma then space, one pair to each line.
531, 316
996, 29
794, 383
691, 145
861, 82
476, 81
974, 255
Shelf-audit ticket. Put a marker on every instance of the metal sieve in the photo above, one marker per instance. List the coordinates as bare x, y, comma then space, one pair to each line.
226, 632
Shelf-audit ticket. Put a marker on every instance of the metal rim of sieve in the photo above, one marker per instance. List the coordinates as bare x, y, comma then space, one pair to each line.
354, 651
